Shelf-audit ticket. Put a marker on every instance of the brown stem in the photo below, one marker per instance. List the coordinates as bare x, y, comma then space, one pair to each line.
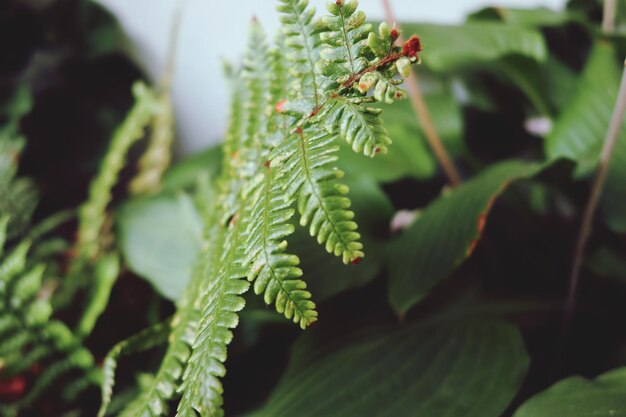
170, 63
608, 16
385, 61
423, 114
592, 204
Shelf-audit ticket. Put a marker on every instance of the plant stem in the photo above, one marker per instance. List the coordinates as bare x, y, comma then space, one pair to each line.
592, 204
172, 47
608, 16
423, 114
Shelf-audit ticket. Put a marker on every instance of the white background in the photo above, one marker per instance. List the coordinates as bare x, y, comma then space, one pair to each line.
215, 29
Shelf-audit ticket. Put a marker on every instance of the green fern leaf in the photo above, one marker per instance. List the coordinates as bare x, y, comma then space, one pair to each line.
361, 126
158, 155
280, 151
18, 196
274, 272
153, 400
302, 50
28, 335
343, 33
147, 339
92, 213
201, 387
322, 203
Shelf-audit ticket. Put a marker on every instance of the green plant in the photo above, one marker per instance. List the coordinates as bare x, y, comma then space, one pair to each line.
445, 300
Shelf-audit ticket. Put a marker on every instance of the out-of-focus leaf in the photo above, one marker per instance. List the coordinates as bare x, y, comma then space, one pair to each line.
548, 85
186, 173
579, 132
18, 196
105, 35
536, 17
447, 48
106, 272
608, 263
604, 396
468, 369
160, 238
445, 233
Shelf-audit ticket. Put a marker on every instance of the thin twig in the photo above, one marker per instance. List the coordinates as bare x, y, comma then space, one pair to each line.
172, 47
423, 114
596, 191
608, 16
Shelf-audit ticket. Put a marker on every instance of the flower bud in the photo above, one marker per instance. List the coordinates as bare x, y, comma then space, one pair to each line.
367, 82
412, 47
379, 91
404, 67
384, 30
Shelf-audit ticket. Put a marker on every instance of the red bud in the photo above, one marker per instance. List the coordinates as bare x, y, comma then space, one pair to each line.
412, 47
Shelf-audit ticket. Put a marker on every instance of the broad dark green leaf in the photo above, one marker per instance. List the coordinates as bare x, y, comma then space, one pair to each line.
160, 238
449, 47
548, 85
604, 396
468, 369
579, 132
445, 233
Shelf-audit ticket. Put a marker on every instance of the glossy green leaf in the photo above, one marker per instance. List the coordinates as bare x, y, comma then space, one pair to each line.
579, 132
445, 233
469, 369
604, 396
160, 238
447, 48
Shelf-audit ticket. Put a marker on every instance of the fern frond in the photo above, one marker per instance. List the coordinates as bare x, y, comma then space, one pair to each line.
29, 337
309, 156
257, 76
92, 217
157, 157
106, 272
343, 33
274, 272
228, 264
92, 213
359, 125
201, 387
145, 340
18, 196
153, 400
302, 49
280, 151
